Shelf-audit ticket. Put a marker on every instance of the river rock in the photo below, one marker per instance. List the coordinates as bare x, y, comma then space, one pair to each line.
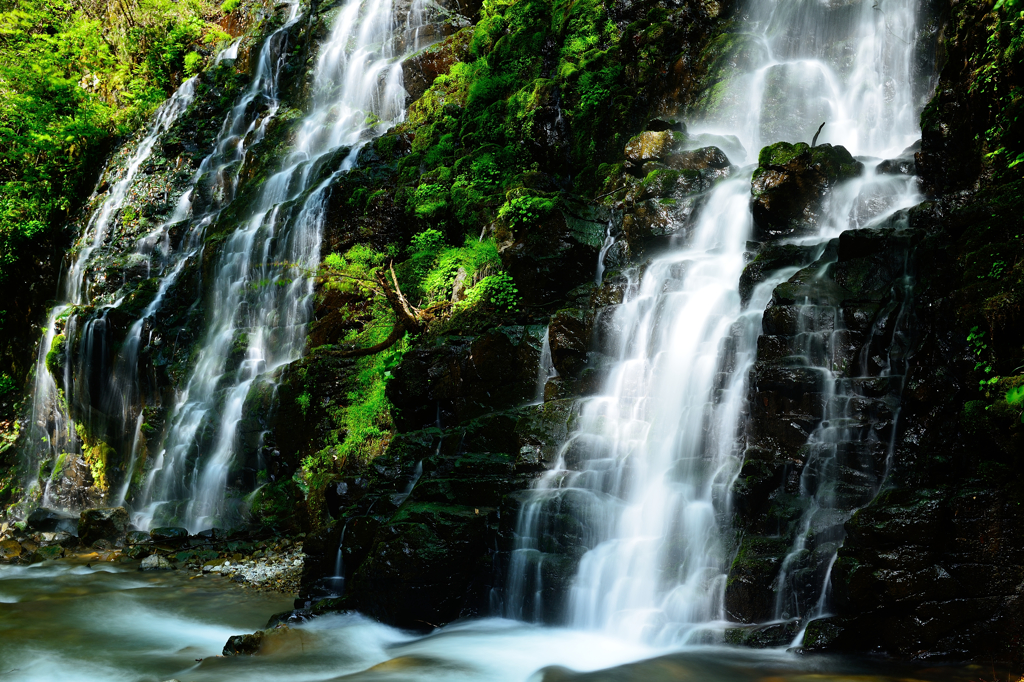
102, 524
50, 552
155, 562
169, 535
791, 186
136, 537
44, 520
243, 645
904, 164
10, 549
65, 540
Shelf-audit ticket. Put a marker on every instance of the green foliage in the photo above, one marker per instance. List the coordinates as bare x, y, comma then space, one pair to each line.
979, 348
230, 6
996, 79
56, 355
430, 272
303, 400
525, 210
498, 290
7, 385
353, 272
193, 63
478, 130
73, 74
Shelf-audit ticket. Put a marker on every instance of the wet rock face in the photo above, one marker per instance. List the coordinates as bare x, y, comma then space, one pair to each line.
792, 183
834, 343
421, 525
465, 379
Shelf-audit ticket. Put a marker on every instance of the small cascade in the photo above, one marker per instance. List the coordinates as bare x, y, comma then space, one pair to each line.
106, 392
849, 452
545, 368
261, 289
630, 531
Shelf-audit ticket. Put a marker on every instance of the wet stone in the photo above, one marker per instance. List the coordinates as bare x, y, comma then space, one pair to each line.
243, 645
171, 535
102, 524
10, 549
155, 562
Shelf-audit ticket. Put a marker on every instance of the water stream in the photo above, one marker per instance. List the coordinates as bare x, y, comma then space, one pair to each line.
53, 432
110, 623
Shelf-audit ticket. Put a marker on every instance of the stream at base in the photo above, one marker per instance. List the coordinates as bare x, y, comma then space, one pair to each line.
110, 623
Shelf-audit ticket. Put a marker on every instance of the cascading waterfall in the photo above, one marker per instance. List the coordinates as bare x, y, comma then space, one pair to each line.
53, 431
644, 480
261, 289
109, 396
243, 127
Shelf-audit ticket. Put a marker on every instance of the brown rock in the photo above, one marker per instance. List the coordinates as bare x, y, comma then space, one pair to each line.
649, 146
10, 549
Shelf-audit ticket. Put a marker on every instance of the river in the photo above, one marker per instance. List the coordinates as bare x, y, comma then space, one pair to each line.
72, 622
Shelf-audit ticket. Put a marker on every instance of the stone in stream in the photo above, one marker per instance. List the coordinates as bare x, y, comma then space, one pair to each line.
102, 524
243, 645
50, 552
155, 562
44, 520
10, 549
169, 535
63, 539
136, 537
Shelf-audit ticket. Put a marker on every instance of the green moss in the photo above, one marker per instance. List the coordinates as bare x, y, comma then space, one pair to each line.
781, 153
97, 455
55, 357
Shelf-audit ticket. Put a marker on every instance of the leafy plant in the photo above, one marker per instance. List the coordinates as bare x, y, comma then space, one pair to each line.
979, 348
525, 210
193, 63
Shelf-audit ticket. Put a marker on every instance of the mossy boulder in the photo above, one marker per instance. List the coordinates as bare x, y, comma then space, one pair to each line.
102, 524
791, 186
749, 591
650, 146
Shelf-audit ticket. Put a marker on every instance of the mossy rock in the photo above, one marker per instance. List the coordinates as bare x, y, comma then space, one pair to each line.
791, 184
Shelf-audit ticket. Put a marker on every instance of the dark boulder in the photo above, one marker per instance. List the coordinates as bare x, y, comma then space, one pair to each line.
103, 524
904, 164
792, 183
243, 645
569, 338
422, 69
45, 520
169, 535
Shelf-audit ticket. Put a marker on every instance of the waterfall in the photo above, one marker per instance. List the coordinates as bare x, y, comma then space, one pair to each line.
638, 501
261, 288
52, 430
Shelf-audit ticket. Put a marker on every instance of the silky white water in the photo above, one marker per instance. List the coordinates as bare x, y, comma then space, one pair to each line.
52, 430
261, 289
646, 475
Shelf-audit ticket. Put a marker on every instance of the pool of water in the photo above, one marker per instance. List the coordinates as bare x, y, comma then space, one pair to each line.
70, 622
